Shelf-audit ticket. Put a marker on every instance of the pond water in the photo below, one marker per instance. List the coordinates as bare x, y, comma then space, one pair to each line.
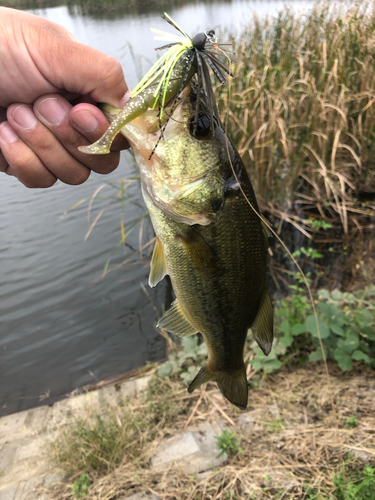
63, 326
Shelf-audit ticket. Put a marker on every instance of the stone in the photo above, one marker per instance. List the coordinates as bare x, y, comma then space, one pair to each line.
7, 455
274, 478
52, 479
362, 455
141, 496
246, 421
131, 387
177, 448
28, 491
31, 447
13, 426
142, 383
9, 492
84, 403
108, 396
194, 451
36, 418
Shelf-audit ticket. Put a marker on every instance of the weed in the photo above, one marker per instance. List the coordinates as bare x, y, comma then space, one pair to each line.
355, 484
80, 487
228, 444
276, 425
351, 422
180, 362
346, 323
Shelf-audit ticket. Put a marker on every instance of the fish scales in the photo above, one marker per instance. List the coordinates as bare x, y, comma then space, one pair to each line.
210, 240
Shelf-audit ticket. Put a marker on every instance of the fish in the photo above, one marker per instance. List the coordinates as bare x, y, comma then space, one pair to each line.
209, 237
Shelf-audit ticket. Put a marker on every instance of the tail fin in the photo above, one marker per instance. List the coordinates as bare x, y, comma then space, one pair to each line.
233, 386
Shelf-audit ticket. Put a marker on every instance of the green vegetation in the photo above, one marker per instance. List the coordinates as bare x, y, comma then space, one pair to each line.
355, 484
184, 360
346, 324
80, 487
301, 110
102, 441
228, 444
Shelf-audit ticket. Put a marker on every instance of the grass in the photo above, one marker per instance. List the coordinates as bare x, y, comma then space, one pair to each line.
299, 445
301, 111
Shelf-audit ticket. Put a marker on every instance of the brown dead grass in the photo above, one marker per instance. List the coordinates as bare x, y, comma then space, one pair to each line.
301, 110
298, 440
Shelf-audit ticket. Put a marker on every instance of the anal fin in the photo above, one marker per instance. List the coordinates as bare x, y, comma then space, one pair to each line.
175, 321
158, 266
262, 326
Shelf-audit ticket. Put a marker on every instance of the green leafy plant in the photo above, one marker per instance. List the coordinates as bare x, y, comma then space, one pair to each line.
351, 422
355, 484
184, 361
269, 363
81, 486
346, 327
228, 443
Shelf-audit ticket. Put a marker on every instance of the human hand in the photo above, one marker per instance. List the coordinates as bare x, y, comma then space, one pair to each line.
44, 73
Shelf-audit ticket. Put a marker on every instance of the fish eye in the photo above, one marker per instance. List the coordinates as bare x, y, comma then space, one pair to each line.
203, 126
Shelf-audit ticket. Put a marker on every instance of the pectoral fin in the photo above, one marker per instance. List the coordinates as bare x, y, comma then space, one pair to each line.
262, 327
200, 252
233, 385
158, 266
175, 321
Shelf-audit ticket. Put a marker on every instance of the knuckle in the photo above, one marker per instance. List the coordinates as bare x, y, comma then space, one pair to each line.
80, 176
114, 74
75, 140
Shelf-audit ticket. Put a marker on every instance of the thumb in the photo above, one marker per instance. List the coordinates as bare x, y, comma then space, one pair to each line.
80, 69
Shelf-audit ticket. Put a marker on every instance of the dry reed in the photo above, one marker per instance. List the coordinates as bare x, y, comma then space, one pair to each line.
301, 109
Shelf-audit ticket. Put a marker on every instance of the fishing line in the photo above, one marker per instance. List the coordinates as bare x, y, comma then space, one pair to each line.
267, 224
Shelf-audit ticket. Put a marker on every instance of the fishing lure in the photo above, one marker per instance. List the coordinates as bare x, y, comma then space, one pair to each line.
164, 82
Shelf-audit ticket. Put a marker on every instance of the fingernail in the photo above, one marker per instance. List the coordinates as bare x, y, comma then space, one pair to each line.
125, 99
85, 121
52, 110
24, 116
7, 134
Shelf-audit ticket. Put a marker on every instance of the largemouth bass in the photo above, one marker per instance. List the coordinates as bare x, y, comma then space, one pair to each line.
209, 240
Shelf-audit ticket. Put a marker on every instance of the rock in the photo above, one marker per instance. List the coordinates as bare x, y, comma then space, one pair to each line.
274, 478
28, 489
362, 455
141, 496
36, 418
51, 479
13, 426
246, 421
31, 448
108, 396
194, 451
131, 387
9, 492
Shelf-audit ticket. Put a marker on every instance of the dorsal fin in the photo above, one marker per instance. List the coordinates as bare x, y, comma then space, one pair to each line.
158, 265
175, 321
262, 326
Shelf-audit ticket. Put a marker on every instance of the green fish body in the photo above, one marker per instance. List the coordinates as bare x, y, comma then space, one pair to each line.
209, 240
